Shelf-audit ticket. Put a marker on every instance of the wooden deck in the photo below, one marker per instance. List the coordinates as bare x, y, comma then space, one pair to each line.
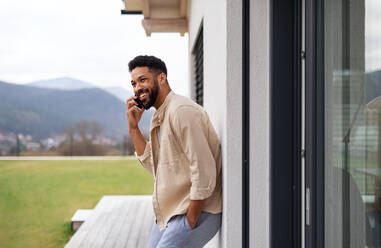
119, 222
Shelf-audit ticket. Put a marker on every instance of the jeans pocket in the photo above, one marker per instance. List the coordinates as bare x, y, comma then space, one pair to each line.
186, 223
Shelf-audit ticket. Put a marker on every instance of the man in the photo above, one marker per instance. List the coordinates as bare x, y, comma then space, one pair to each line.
183, 154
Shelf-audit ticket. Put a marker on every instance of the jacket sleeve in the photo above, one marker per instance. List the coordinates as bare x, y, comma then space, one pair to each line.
192, 135
146, 158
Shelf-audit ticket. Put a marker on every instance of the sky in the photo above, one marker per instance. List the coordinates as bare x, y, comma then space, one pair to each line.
90, 40
372, 35
86, 40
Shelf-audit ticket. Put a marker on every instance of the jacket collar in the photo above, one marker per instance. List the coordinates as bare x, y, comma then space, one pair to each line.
158, 116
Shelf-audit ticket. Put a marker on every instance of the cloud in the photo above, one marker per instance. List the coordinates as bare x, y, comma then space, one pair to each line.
372, 35
84, 39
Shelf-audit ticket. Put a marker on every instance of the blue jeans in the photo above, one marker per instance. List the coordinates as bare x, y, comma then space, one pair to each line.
178, 233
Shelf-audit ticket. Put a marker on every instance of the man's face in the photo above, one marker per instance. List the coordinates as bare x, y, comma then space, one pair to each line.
145, 86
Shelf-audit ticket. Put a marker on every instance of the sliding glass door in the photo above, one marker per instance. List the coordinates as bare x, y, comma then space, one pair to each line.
344, 79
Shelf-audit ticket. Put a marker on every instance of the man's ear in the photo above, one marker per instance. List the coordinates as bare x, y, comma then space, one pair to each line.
162, 78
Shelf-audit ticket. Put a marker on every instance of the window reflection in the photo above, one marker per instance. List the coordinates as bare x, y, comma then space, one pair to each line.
352, 75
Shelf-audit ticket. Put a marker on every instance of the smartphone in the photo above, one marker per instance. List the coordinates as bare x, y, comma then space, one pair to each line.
139, 102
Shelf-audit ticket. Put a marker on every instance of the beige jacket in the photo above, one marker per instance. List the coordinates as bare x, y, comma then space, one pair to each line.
186, 165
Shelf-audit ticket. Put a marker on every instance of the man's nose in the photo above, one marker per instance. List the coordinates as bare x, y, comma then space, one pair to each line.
138, 88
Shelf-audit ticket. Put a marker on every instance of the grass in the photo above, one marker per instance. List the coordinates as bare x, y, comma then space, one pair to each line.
38, 198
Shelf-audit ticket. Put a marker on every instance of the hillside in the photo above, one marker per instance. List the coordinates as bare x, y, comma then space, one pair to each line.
119, 92
68, 83
64, 83
45, 112
373, 85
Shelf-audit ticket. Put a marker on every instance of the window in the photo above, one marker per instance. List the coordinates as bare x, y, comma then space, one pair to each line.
350, 76
198, 60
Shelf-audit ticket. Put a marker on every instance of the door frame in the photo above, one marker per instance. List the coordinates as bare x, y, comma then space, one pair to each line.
314, 124
285, 123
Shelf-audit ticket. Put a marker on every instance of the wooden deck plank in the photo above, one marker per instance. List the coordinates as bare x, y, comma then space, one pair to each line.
122, 214
119, 222
136, 220
116, 230
95, 230
124, 231
82, 232
147, 223
111, 219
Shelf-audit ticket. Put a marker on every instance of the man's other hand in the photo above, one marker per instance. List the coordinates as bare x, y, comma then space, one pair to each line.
194, 212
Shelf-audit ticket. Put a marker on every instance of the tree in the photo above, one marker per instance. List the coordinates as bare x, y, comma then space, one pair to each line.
85, 145
96, 130
69, 133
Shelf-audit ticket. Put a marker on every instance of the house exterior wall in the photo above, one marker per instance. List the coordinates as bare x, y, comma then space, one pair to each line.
260, 123
222, 30
222, 22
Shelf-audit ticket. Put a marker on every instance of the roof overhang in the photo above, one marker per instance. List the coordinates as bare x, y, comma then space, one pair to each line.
160, 15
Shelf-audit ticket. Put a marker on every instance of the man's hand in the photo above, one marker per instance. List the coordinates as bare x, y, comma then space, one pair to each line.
133, 113
194, 212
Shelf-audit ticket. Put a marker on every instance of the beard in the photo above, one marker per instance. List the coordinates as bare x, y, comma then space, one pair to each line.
152, 95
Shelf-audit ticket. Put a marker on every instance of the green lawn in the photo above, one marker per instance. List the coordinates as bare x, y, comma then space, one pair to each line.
38, 198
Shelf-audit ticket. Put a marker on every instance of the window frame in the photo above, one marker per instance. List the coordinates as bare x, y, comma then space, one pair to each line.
285, 123
198, 66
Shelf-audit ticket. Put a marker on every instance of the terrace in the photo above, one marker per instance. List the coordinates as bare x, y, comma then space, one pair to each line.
119, 221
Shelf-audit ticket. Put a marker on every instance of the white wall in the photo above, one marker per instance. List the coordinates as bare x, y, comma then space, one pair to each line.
222, 98
233, 170
259, 123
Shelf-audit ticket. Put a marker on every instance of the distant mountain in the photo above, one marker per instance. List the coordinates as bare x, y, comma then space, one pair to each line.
67, 83
64, 83
373, 85
45, 112
119, 92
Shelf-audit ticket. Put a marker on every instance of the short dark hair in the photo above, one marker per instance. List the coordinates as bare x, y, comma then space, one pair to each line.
152, 62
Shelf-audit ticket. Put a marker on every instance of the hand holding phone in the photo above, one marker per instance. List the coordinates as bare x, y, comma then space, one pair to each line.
134, 112
139, 102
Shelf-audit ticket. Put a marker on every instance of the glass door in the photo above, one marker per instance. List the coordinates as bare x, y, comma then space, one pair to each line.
345, 128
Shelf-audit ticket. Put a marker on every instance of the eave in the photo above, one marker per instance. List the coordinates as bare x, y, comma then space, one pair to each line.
160, 15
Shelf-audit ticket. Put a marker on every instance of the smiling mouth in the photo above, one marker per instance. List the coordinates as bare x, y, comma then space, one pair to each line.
143, 96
